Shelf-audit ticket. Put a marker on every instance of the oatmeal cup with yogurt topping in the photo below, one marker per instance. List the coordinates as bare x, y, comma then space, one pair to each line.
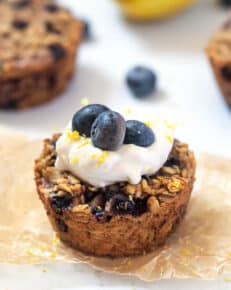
113, 187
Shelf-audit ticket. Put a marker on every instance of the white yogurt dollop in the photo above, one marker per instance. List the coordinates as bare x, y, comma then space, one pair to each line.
101, 168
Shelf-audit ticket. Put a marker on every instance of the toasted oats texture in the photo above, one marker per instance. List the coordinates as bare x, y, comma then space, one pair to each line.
108, 218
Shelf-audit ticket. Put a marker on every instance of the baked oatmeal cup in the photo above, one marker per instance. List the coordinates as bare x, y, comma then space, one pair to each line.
122, 201
39, 41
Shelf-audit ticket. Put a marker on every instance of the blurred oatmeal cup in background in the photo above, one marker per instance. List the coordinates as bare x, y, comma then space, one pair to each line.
152, 9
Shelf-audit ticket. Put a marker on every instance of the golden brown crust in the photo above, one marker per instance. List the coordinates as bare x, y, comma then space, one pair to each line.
122, 234
219, 55
37, 54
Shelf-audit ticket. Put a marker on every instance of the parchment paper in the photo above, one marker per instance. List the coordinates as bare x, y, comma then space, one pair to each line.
201, 247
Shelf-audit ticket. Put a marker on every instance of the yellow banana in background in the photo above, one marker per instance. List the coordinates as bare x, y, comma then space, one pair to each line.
152, 9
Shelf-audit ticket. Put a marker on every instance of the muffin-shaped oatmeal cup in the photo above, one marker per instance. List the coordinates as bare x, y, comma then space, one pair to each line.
39, 43
114, 188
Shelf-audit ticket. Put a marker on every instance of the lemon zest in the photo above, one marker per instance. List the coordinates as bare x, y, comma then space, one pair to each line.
127, 111
186, 252
73, 136
102, 158
84, 101
74, 160
94, 156
194, 272
83, 144
42, 247
176, 184
169, 138
56, 241
28, 252
148, 124
52, 255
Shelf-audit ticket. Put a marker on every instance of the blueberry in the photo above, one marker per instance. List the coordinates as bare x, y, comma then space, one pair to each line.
52, 8
139, 134
140, 206
59, 203
20, 24
226, 73
82, 120
120, 204
86, 30
61, 225
99, 213
88, 196
22, 4
58, 52
108, 131
141, 81
50, 27
226, 3
172, 162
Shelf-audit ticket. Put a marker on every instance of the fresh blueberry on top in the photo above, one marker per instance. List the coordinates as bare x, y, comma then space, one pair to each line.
141, 81
226, 3
139, 134
108, 131
82, 120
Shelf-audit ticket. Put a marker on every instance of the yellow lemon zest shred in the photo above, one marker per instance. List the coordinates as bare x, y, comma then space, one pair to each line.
83, 144
148, 124
74, 160
73, 136
84, 101
169, 138
94, 156
127, 112
56, 241
42, 247
186, 252
102, 158
52, 255
29, 252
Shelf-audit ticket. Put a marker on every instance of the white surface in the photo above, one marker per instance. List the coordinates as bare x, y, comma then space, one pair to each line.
187, 92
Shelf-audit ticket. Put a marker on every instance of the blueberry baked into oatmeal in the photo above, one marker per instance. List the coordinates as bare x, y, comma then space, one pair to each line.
219, 54
113, 187
38, 47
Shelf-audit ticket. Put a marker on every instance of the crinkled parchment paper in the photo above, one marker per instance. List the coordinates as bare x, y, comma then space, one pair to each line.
201, 247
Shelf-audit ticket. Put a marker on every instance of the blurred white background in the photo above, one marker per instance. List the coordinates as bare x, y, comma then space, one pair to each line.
186, 92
